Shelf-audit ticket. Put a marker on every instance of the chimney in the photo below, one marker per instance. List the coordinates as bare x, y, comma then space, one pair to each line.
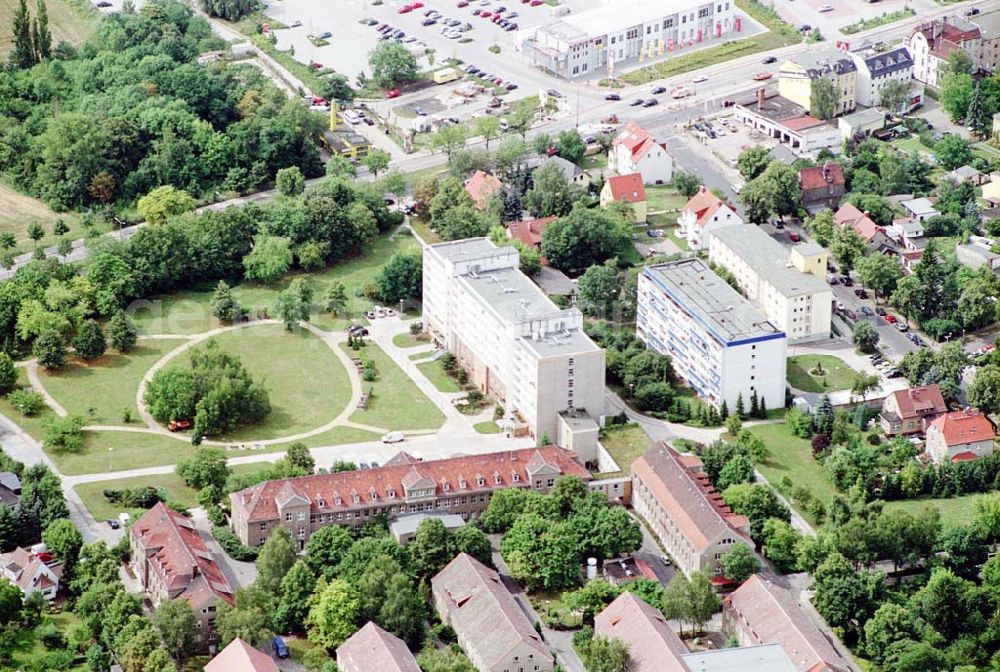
760, 99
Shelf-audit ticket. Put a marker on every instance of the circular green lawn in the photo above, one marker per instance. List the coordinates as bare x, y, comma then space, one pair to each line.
307, 383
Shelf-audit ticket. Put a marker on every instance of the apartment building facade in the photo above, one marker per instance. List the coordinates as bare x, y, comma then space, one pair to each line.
672, 494
404, 485
721, 345
517, 346
797, 76
877, 69
620, 33
932, 43
795, 301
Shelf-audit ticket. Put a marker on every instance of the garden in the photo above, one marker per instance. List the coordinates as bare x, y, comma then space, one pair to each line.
819, 373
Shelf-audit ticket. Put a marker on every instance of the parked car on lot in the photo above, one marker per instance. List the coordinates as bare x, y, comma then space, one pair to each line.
279, 647
392, 93
392, 437
637, 102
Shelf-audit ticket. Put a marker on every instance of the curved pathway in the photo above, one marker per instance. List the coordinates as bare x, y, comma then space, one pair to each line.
31, 369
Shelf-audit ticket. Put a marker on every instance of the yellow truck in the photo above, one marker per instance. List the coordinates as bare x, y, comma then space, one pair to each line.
445, 75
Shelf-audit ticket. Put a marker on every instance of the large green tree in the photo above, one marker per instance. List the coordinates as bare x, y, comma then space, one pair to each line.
392, 64
333, 615
583, 238
401, 279
177, 625
824, 99
275, 559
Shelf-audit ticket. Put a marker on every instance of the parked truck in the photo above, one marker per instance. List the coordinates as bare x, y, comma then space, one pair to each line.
445, 75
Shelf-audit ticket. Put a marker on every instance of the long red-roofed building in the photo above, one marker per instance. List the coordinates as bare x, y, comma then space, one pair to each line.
171, 561
673, 495
461, 485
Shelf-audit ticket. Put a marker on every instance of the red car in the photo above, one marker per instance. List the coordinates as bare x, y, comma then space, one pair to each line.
405, 9
462, 3
316, 66
486, 15
535, 3
417, 5
891, 319
392, 93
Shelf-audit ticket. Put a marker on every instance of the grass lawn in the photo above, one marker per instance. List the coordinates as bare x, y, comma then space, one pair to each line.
487, 427
437, 375
18, 211
177, 491
410, 341
595, 161
911, 144
788, 455
68, 20
189, 312
398, 404
837, 374
954, 510
626, 444
423, 231
28, 648
117, 376
663, 197
307, 384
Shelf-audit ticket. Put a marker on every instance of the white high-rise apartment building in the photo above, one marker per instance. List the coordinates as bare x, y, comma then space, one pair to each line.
721, 345
517, 346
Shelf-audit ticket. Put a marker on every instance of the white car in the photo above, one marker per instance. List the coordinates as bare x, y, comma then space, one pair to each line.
392, 437
825, 8
699, 79
452, 34
296, 23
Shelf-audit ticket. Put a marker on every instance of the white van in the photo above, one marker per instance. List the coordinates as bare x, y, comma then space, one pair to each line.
392, 437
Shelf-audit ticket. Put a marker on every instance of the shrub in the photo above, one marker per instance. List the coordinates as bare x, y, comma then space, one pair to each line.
27, 402
232, 546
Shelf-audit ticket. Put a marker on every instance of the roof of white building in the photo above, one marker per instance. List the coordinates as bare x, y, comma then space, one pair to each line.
711, 300
467, 249
616, 16
770, 657
770, 259
920, 206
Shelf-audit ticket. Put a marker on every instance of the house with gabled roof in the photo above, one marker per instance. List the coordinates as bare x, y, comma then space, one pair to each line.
530, 232
822, 186
759, 612
238, 656
636, 151
171, 561
481, 187
628, 189
372, 649
653, 645
932, 43
490, 625
10, 488
671, 492
910, 411
960, 436
31, 573
874, 235
703, 213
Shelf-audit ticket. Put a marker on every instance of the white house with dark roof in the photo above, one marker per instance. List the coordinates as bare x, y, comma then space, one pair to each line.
490, 625
875, 70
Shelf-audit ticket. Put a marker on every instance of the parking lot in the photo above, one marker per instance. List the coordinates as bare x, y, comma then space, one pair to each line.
351, 41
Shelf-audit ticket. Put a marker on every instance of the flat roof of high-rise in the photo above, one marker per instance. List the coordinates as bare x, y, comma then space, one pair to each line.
710, 299
770, 259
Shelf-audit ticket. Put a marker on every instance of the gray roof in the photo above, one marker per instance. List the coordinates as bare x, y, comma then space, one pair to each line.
808, 248
770, 259
863, 117
889, 62
965, 172
824, 62
466, 249
409, 524
10, 480
989, 24
569, 169
710, 299
770, 657
920, 206
483, 612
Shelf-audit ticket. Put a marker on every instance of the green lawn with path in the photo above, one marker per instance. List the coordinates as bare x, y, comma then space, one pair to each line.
837, 375
398, 404
438, 376
789, 455
115, 377
307, 383
663, 197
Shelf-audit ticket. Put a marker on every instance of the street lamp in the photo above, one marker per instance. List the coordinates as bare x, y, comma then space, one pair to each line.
110, 450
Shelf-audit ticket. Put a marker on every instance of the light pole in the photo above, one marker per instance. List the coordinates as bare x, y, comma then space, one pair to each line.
110, 450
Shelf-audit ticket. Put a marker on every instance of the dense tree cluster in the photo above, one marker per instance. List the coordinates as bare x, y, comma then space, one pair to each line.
216, 392
136, 112
41, 505
548, 536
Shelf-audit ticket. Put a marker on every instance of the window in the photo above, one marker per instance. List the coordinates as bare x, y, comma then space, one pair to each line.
288, 517
321, 503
